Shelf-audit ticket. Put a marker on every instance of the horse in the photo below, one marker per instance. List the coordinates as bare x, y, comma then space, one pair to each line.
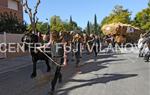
30, 40
41, 55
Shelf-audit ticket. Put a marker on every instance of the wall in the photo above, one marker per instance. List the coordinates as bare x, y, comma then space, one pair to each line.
4, 8
13, 38
13, 5
3, 3
2, 55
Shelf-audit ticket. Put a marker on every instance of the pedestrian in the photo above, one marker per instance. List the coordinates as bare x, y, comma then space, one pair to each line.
141, 45
59, 54
77, 51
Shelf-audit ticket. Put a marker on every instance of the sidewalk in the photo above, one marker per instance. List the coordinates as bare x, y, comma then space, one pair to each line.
11, 64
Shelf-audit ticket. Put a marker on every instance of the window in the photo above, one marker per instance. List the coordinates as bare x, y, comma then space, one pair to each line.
12, 4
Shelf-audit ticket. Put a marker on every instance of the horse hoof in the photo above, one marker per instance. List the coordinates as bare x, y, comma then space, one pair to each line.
33, 75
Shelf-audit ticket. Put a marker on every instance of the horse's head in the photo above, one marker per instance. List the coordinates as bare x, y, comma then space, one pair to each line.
29, 39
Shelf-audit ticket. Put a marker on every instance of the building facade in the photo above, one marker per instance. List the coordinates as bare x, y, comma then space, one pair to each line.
13, 6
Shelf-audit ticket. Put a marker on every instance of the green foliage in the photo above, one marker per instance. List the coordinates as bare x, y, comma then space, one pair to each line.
72, 25
95, 25
88, 28
93, 28
57, 24
142, 19
119, 14
42, 27
9, 23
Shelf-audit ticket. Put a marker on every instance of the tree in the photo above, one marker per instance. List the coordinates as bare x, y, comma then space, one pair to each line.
32, 14
71, 20
56, 24
42, 27
95, 25
91, 28
72, 25
119, 14
88, 28
142, 19
66, 26
105, 21
9, 23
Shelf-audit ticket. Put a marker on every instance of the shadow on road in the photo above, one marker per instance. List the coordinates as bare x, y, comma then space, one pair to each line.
95, 66
105, 79
70, 71
90, 67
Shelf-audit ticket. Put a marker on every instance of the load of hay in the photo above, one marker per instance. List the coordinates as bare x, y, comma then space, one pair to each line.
122, 32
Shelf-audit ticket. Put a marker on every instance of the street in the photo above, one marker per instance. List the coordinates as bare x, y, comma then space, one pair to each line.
110, 74
93, 47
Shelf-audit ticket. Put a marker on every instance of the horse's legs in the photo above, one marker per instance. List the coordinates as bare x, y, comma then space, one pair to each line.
60, 77
95, 51
77, 56
34, 68
147, 57
77, 62
48, 66
72, 55
60, 74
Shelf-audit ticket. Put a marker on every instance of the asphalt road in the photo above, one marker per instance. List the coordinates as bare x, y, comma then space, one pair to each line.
119, 74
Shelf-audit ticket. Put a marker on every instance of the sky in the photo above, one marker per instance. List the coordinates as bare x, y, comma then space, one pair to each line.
83, 11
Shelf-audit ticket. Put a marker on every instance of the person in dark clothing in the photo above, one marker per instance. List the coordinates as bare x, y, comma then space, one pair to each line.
77, 43
96, 45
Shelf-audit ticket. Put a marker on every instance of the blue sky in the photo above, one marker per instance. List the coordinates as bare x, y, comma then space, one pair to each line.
83, 10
